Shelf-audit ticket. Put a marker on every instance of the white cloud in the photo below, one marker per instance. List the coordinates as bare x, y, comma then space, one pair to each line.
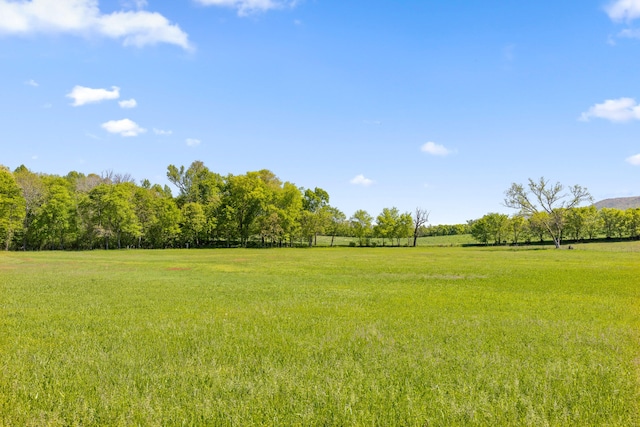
247, 7
162, 132
192, 142
623, 10
634, 160
361, 180
629, 33
128, 103
615, 110
435, 149
124, 127
85, 95
83, 17
32, 83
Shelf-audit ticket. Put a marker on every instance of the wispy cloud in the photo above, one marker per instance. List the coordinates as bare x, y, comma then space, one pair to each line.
31, 83
192, 142
623, 10
435, 149
124, 127
128, 103
84, 18
361, 180
85, 95
248, 7
162, 132
615, 110
634, 160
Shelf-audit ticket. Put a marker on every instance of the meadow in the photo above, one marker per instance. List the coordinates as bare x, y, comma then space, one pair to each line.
427, 336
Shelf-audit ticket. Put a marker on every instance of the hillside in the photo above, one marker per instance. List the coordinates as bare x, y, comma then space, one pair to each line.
619, 203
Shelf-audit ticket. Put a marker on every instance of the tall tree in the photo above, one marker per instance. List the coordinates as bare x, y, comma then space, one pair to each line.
315, 203
12, 207
517, 225
632, 221
194, 222
245, 196
540, 196
112, 212
361, 226
420, 218
403, 228
612, 221
196, 184
33, 190
289, 204
337, 222
53, 218
386, 224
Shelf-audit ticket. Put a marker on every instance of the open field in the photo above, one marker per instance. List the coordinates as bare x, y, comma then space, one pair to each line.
323, 336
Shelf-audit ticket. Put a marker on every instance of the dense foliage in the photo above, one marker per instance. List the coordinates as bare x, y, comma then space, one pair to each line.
579, 224
78, 211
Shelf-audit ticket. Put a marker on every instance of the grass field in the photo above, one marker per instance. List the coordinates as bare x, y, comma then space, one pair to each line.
428, 336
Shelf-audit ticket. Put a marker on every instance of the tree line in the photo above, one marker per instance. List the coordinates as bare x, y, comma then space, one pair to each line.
77, 211
581, 223
549, 211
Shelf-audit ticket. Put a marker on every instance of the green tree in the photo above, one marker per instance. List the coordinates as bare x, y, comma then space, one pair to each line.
386, 224
112, 212
12, 207
575, 222
540, 196
491, 227
403, 228
337, 224
592, 221
289, 202
479, 230
361, 226
194, 222
243, 199
632, 221
196, 184
537, 225
33, 190
166, 228
517, 226
315, 217
53, 218
612, 222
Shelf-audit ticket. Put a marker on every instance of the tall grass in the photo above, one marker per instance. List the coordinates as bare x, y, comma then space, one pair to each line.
335, 336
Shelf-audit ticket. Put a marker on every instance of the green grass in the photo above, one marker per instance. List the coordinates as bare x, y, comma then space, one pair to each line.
323, 336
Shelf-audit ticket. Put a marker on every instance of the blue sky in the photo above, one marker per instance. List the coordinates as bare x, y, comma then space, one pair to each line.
432, 104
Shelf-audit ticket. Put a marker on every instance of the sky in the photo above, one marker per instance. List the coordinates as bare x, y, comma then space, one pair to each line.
440, 105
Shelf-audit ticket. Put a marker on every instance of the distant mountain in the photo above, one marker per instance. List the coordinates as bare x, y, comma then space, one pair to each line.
621, 203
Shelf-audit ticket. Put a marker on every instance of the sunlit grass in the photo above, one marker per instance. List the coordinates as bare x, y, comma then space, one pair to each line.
335, 336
